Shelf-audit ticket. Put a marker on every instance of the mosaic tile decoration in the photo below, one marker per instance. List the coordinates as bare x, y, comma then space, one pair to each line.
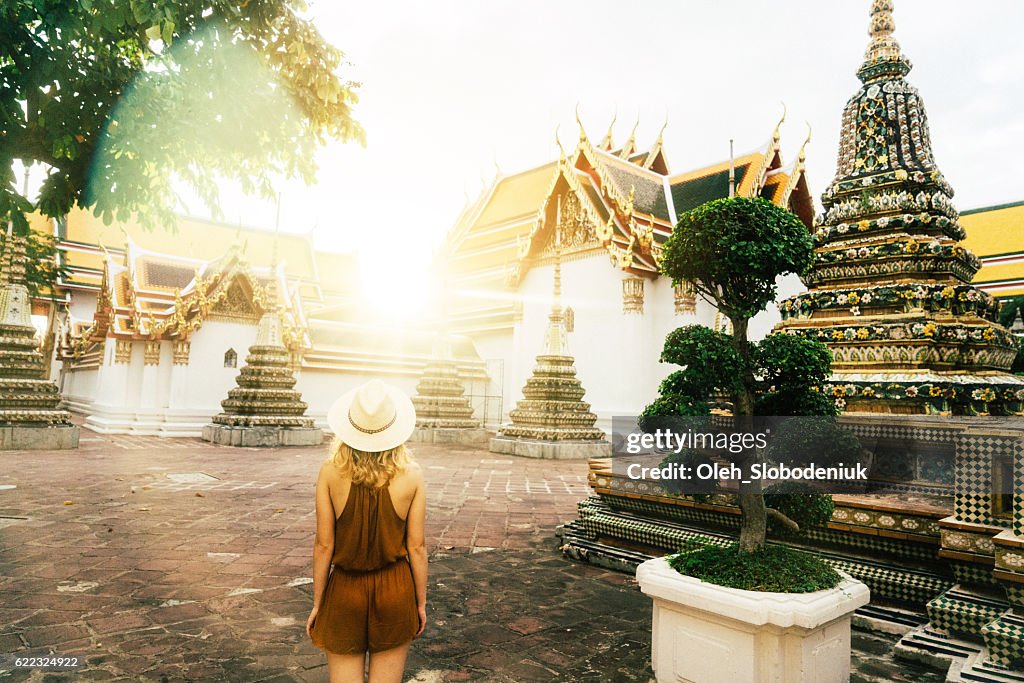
887, 581
975, 453
969, 574
1005, 640
713, 519
964, 613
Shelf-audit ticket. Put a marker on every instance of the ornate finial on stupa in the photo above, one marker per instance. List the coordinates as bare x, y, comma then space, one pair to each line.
556, 342
883, 56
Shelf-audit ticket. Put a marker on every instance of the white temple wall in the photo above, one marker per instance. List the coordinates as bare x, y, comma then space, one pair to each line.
616, 353
490, 399
79, 389
82, 305
320, 388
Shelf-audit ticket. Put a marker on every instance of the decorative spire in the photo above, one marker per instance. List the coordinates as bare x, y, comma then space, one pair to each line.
583, 133
606, 142
777, 133
802, 154
556, 343
883, 57
558, 141
630, 145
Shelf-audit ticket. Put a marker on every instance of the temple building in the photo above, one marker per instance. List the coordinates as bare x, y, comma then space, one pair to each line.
618, 204
995, 234
156, 324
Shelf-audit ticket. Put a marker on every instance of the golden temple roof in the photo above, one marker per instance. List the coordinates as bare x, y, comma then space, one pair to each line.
630, 202
995, 234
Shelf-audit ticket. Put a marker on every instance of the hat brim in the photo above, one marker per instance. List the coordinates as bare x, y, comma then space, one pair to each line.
395, 435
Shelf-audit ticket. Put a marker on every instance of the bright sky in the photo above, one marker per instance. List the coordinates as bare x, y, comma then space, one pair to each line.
453, 87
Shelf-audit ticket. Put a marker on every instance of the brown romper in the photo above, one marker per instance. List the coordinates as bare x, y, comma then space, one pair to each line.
370, 600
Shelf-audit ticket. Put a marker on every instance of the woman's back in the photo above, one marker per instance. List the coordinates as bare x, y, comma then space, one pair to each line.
370, 531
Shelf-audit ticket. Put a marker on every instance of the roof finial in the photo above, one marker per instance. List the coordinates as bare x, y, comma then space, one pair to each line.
776, 134
661, 132
583, 133
607, 143
801, 155
630, 145
561, 150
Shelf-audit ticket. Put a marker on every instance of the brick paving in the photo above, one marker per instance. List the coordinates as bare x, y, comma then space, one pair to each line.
173, 560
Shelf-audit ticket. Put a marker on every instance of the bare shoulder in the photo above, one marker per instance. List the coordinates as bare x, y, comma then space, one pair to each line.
412, 476
328, 472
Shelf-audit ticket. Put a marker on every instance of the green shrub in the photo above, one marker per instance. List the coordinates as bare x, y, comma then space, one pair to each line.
801, 503
773, 568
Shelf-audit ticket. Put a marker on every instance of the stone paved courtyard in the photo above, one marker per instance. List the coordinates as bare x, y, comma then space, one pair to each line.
168, 560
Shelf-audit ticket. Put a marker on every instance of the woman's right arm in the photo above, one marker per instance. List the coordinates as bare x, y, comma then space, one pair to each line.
416, 546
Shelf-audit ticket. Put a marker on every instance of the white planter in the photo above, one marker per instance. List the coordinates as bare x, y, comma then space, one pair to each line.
703, 633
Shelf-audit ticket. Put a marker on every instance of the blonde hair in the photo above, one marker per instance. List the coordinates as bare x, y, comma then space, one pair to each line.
369, 469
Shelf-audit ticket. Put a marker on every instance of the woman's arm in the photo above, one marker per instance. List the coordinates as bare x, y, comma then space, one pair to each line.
323, 545
417, 548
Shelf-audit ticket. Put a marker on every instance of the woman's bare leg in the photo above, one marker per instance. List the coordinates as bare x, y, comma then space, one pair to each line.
389, 665
346, 668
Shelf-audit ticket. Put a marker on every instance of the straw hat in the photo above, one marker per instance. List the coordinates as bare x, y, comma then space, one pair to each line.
372, 418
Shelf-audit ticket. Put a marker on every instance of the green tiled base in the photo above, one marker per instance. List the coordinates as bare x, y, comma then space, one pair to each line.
1005, 640
963, 612
892, 581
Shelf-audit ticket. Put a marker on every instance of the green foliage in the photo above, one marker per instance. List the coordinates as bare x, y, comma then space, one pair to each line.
788, 370
787, 362
119, 100
734, 249
709, 358
673, 405
42, 265
699, 489
774, 569
801, 503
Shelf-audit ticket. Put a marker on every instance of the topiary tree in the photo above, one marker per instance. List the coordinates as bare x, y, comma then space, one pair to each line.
733, 251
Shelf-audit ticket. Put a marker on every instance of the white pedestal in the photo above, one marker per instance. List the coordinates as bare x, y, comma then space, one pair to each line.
711, 634
551, 450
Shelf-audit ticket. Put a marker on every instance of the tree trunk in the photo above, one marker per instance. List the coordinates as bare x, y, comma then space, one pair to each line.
754, 516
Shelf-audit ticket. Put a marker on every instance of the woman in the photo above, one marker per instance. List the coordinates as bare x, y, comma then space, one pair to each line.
369, 558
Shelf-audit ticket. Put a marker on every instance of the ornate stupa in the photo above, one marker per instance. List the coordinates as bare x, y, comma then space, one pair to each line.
552, 420
890, 288
265, 409
30, 418
443, 412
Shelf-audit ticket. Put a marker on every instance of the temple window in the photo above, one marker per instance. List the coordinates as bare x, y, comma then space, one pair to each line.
230, 359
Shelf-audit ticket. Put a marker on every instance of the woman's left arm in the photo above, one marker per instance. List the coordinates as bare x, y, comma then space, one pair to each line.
323, 545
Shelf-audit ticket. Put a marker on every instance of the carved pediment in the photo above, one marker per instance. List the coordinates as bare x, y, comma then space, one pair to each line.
576, 230
237, 304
